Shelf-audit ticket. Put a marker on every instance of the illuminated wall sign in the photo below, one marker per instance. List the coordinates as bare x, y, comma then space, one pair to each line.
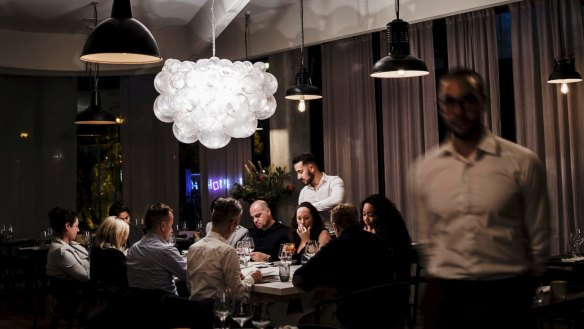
216, 184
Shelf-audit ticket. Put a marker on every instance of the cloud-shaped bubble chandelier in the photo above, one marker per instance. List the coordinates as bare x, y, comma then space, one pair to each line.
213, 100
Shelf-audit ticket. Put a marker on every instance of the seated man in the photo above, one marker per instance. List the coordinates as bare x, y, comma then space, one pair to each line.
350, 263
152, 262
239, 233
213, 265
267, 234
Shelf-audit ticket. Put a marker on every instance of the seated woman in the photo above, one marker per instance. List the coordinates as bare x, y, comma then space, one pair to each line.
66, 259
380, 216
108, 256
307, 225
109, 272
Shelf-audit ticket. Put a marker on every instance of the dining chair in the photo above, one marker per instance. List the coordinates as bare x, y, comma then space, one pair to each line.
382, 306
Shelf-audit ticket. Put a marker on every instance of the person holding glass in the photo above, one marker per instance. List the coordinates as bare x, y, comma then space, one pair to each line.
307, 225
213, 264
380, 216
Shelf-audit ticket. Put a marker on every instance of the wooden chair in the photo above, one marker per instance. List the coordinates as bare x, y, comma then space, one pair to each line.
383, 306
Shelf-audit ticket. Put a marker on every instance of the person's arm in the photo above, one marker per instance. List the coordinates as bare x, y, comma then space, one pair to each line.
422, 215
175, 263
232, 274
323, 238
74, 261
537, 214
337, 195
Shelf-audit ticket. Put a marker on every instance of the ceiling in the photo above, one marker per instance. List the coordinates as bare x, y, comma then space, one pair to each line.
48, 35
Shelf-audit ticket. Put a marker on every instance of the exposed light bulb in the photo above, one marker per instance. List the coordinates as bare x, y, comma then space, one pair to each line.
301, 106
401, 73
564, 88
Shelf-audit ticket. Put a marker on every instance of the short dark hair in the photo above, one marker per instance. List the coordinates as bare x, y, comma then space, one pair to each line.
58, 217
225, 210
466, 75
305, 158
117, 208
156, 214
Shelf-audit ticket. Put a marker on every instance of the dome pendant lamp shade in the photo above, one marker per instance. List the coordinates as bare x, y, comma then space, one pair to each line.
94, 114
304, 90
399, 63
564, 70
121, 40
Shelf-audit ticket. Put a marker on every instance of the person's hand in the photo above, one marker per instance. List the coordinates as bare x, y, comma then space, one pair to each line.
303, 233
256, 275
257, 256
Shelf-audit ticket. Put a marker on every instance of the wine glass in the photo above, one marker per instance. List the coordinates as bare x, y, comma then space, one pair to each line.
222, 307
250, 242
310, 249
286, 251
241, 309
242, 248
261, 315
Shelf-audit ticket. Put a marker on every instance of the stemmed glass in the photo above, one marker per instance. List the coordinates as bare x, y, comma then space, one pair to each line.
310, 249
241, 309
222, 307
243, 251
286, 252
261, 315
250, 243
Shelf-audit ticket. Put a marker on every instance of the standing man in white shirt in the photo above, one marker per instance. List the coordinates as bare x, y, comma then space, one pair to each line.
323, 191
483, 211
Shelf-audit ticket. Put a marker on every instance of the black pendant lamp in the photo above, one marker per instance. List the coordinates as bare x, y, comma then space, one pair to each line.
399, 63
303, 90
564, 65
121, 40
94, 114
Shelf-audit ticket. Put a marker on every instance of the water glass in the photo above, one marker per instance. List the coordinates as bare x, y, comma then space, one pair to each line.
261, 315
222, 307
284, 271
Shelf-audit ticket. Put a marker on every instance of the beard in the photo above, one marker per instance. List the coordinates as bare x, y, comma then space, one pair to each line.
310, 178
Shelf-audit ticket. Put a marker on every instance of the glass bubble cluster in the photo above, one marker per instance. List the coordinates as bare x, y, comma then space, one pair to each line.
213, 100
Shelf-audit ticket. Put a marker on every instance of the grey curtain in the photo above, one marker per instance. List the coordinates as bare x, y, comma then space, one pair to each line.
149, 149
410, 120
220, 169
549, 122
40, 172
472, 43
350, 147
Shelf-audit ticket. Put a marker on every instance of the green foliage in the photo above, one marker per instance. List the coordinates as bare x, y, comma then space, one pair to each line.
269, 183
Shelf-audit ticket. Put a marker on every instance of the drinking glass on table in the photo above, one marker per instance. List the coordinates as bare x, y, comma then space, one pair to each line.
250, 242
222, 307
241, 309
242, 248
286, 251
310, 249
261, 315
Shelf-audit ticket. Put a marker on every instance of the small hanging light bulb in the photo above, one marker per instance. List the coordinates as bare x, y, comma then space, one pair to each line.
564, 88
301, 106
401, 73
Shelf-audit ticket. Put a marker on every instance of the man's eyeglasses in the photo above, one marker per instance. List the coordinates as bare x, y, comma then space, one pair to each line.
448, 103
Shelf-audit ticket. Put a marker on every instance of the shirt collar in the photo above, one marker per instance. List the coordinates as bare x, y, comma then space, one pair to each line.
488, 144
216, 236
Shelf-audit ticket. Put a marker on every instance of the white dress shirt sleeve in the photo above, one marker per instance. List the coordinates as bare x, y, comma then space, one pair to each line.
337, 195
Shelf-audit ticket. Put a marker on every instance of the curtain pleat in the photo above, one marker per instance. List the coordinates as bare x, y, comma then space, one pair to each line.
472, 43
349, 130
547, 121
410, 120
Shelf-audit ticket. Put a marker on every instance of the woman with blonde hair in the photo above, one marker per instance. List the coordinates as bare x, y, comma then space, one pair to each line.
108, 257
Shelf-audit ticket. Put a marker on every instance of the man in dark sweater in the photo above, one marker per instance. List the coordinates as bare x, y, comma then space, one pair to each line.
267, 234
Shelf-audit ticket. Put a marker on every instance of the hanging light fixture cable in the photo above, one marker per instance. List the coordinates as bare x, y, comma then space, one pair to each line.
399, 63
303, 90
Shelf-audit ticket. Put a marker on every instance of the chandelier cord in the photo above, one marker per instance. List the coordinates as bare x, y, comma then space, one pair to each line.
397, 8
562, 48
213, 25
88, 64
246, 31
302, 33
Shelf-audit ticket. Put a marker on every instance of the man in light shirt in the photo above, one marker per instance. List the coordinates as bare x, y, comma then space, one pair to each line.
483, 211
323, 191
212, 264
